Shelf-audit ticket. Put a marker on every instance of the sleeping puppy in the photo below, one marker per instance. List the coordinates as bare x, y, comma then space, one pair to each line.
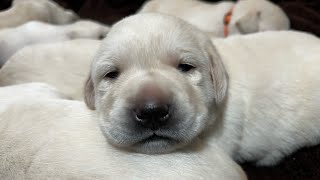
159, 83
44, 138
34, 32
23, 11
64, 65
273, 94
224, 18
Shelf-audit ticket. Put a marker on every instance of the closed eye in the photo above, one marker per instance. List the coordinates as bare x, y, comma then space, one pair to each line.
112, 75
183, 67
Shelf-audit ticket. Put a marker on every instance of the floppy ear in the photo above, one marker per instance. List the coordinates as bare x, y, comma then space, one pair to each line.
218, 74
249, 23
89, 95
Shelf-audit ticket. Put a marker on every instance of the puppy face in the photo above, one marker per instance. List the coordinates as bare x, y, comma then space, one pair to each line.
156, 83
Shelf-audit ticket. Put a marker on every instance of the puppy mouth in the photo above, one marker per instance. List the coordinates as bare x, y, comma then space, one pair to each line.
155, 144
155, 138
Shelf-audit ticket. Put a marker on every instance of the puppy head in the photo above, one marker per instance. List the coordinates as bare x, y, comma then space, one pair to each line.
251, 16
156, 83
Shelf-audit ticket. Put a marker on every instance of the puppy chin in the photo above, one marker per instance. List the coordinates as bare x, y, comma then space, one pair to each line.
146, 143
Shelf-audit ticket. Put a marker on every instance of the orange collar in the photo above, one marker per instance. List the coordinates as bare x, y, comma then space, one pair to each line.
226, 22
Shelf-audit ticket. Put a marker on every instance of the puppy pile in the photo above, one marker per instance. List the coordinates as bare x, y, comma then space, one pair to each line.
160, 97
23, 11
224, 18
30, 22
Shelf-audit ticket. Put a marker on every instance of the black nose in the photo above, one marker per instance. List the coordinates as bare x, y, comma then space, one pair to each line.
152, 115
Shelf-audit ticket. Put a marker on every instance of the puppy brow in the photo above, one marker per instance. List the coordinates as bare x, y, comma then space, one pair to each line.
192, 57
102, 68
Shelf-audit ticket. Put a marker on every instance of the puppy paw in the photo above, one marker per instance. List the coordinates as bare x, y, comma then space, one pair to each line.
270, 159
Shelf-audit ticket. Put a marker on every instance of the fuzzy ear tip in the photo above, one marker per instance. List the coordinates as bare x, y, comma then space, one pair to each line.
89, 94
219, 75
91, 107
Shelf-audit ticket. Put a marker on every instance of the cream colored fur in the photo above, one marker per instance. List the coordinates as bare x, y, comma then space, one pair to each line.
23, 11
273, 102
256, 96
15, 93
44, 138
262, 107
248, 16
64, 65
34, 32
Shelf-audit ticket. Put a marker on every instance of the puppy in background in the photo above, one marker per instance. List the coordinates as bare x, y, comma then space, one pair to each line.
64, 65
224, 18
23, 11
34, 32
15, 93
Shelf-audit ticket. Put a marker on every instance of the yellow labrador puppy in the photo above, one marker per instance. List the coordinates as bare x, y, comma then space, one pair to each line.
64, 65
51, 138
273, 94
35, 32
23, 11
224, 18
159, 83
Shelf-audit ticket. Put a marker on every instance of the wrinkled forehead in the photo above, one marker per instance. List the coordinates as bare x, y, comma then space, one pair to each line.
140, 38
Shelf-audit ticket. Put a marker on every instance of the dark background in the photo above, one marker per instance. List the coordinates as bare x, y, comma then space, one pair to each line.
303, 14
